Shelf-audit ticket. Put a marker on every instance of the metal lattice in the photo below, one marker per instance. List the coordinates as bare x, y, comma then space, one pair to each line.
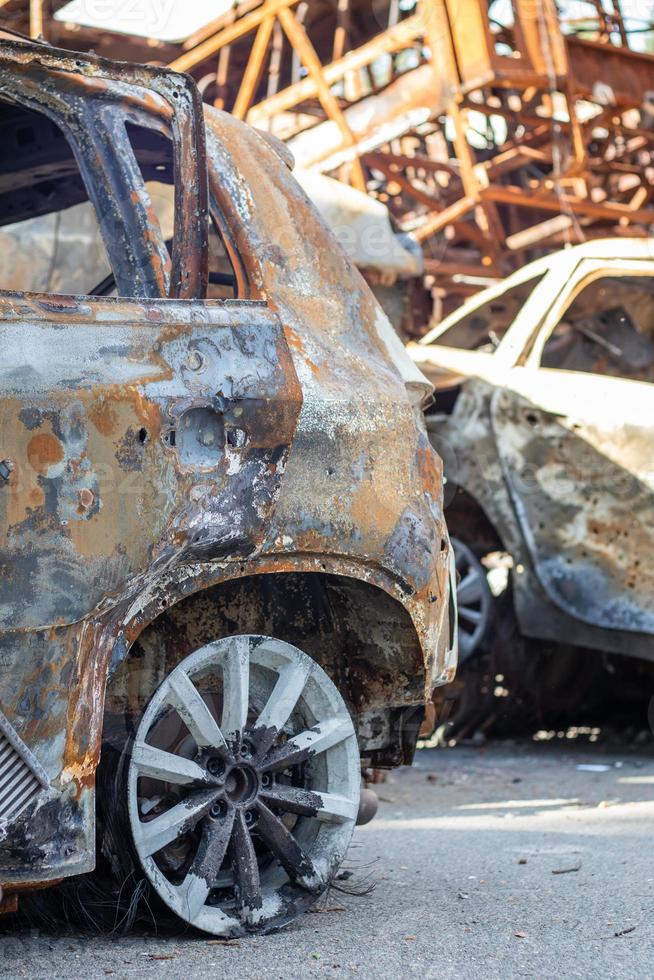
21, 776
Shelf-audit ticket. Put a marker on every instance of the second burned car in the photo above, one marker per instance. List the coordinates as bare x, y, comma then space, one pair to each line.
544, 409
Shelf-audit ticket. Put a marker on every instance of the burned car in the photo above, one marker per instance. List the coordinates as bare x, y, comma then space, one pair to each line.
224, 568
543, 413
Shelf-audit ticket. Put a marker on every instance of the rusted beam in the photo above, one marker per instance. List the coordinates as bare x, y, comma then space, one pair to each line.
551, 202
36, 18
392, 40
214, 26
515, 157
374, 121
229, 34
444, 65
298, 38
389, 168
419, 161
253, 69
275, 63
342, 31
536, 234
437, 222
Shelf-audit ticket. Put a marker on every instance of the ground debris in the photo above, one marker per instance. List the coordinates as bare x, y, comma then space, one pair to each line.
566, 871
624, 932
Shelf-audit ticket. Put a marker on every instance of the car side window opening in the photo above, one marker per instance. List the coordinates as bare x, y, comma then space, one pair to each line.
607, 329
484, 328
50, 237
154, 154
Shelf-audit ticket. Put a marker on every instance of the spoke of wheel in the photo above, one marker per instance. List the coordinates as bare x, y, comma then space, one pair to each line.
150, 836
291, 800
469, 589
286, 693
159, 764
464, 644
324, 806
337, 808
311, 742
189, 704
286, 849
236, 687
211, 850
246, 866
470, 614
193, 893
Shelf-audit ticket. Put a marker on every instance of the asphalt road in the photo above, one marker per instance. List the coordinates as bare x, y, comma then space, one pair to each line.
501, 862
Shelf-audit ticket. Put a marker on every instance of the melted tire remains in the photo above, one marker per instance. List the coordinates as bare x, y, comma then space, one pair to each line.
243, 785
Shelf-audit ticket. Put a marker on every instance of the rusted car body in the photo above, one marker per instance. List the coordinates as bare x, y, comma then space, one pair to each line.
544, 410
177, 469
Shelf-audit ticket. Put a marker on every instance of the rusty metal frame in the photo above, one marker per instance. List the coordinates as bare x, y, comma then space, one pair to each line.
49, 80
490, 212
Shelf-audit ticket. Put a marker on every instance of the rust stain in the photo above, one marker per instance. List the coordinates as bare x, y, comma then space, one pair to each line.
103, 416
43, 451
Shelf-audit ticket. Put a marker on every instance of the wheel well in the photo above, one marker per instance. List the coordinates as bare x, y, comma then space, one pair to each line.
467, 520
362, 637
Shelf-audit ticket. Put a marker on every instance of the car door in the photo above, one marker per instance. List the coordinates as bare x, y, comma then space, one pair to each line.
142, 432
574, 429
136, 435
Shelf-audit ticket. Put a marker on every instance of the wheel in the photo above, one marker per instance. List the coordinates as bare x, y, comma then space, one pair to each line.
474, 600
242, 782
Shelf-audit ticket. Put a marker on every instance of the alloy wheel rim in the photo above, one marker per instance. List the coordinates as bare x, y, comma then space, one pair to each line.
473, 600
240, 823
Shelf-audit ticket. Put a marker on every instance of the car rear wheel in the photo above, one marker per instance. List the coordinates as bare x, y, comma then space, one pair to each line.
243, 782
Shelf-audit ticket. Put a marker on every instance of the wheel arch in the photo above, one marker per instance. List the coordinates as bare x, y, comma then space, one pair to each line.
359, 632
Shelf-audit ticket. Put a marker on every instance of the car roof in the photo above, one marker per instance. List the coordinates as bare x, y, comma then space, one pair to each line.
600, 248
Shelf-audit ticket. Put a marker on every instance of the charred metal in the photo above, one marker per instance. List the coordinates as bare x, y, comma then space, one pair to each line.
543, 416
177, 470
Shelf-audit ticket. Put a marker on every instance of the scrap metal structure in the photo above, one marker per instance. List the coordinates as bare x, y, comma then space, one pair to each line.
493, 131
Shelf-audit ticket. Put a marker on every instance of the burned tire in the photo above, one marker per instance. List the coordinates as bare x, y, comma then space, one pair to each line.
496, 690
492, 693
240, 789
